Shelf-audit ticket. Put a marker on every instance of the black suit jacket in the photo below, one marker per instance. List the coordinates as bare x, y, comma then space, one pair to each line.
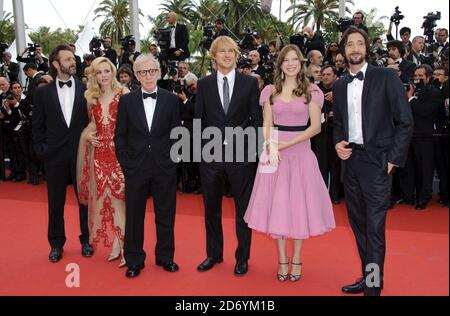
244, 110
407, 68
53, 140
384, 101
316, 43
13, 72
133, 139
182, 40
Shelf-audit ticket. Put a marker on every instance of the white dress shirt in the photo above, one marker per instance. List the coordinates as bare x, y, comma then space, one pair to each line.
172, 37
231, 78
149, 107
66, 97
354, 99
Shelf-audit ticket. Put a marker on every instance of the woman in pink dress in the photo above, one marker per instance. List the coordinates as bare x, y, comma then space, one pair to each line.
102, 185
289, 198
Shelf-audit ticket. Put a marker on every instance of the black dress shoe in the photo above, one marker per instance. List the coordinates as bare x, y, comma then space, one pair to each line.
355, 288
55, 255
208, 264
134, 271
241, 268
87, 250
171, 267
421, 206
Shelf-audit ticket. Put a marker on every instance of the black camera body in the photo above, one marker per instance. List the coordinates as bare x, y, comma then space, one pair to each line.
343, 24
31, 51
3, 47
127, 42
95, 47
208, 36
244, 62
246, 43
180, 86
397, 16
429, 24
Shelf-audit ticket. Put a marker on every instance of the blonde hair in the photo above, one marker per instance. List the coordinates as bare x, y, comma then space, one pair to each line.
303, 83
223, 41
94, 91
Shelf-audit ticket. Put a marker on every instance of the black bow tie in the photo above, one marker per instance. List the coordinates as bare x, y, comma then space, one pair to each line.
68, 83
172, 26
152, 95
359, 76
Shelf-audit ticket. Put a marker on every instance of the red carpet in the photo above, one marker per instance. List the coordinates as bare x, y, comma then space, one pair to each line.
417, 260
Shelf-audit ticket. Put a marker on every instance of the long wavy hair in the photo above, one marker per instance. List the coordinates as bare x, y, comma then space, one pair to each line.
94, 91
302, 77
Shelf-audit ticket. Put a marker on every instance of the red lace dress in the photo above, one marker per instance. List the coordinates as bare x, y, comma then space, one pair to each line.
102, 184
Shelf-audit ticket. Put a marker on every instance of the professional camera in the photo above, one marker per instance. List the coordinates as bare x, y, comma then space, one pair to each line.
3, 47
31, 51
172, 68
343, 24
244, 62
299, 41
397, 16
208, 35
95, 47
9, 96
429, 24
246, 43
180, 86
163, 37
127, 42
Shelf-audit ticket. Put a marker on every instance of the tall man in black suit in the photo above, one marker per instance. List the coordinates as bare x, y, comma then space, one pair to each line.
59, 117
366, 103
227, 99
179, 39
145, 120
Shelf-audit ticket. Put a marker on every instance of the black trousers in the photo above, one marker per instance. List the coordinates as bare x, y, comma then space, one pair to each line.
163, 188
241, 178
441, 153
367, 192
58, 175
417, 175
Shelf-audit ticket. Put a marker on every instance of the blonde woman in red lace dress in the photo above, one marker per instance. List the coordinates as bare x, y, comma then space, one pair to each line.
102, 184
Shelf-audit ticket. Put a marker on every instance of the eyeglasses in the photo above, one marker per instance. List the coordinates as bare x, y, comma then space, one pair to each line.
151, 72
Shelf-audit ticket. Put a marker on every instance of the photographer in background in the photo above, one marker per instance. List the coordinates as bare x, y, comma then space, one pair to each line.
417, 176
358, 22
188, 171
11, 69
179, 39
33, 54
220, 29
255, 60
314, 41
129, 53
416, 54
79, 64
108, 51
441, 139
396, 52
125, 77
441, 44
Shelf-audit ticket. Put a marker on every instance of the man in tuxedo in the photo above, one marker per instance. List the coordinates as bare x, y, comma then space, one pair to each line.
227, 98
416, 54
358, 22
179, 39
366, 104
255, 58
79, 73
59, 117
145, 120
396, 52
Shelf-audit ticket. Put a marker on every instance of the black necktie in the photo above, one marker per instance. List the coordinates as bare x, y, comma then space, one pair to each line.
152, 95
359, 76
68, 83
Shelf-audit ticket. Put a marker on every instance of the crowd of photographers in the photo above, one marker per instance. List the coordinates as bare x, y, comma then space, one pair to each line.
421, 61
